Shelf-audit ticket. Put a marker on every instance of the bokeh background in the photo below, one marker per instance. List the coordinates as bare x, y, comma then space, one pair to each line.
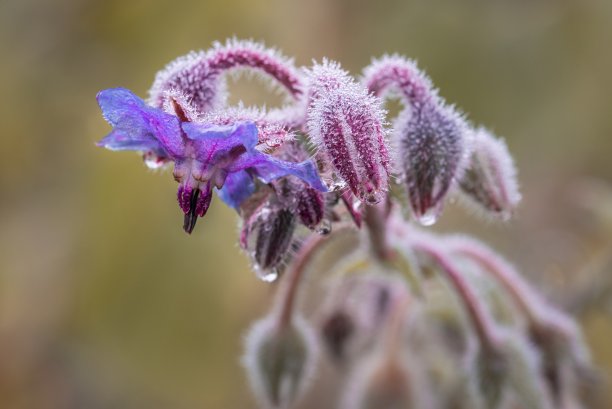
106, 303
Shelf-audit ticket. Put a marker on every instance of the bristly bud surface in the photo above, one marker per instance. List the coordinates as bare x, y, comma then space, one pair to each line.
432, 139
279, 360
346, 124
431, 146
309, 203
490, 178
357, 307
267, 236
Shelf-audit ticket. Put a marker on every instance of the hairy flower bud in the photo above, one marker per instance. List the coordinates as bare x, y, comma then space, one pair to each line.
492, 371
279, 361
308, 203
490, 178
347, 125
356, 308
379, 383
267, 236
524, 375
431, 145
311, 209
200, 75
431, 137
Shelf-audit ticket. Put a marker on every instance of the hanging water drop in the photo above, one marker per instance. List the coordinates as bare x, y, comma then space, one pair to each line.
324, 228
428, 218
152, 161
338, 186
268, 276
374, 197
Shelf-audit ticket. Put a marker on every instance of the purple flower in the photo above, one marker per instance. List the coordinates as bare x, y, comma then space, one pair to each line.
205, 155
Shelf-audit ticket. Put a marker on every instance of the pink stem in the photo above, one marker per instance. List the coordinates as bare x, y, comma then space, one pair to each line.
475, 308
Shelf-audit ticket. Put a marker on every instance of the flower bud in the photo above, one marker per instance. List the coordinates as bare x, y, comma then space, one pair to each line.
380, 383
492, 370
279, 361
564, 354
308, 203
336, 329
490, 178
267, 236
431, 139
346, 123
311, 209
524, 375
355, 310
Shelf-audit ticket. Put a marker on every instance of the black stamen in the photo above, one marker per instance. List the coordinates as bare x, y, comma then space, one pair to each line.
191, 218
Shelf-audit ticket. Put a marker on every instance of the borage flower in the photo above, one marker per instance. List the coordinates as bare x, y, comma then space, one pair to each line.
205, 155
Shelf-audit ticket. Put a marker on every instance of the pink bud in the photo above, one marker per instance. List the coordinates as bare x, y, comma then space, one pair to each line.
432, 138
347, 125
490, 178
431, 146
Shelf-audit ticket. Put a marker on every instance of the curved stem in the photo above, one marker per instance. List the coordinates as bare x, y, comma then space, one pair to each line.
538, 313
504, 274
475, 308
401, 75
197, 75
296, 271
246, 54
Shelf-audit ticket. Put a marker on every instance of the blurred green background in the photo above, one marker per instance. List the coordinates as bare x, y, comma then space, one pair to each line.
106, 303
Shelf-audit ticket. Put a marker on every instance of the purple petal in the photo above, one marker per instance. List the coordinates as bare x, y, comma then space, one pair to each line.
268, 168
137, 126
237, 188
220, 145
119, 140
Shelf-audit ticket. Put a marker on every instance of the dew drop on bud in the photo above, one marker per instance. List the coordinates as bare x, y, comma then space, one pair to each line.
324, 228
338, 186
374, 198
152, 161
268, 276
429, 218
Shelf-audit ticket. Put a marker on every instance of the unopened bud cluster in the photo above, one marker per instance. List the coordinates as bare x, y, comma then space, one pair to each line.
407, 318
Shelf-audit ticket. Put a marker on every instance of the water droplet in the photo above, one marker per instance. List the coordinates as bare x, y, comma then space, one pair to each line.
153, 162
338, 186
374, 197
268, 276
430, 217
324, 227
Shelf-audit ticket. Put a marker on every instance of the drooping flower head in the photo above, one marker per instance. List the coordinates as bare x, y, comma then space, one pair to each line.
432, 139
205, 155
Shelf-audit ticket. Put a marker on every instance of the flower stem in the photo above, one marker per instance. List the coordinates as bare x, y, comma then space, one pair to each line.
376, 224
304, 257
